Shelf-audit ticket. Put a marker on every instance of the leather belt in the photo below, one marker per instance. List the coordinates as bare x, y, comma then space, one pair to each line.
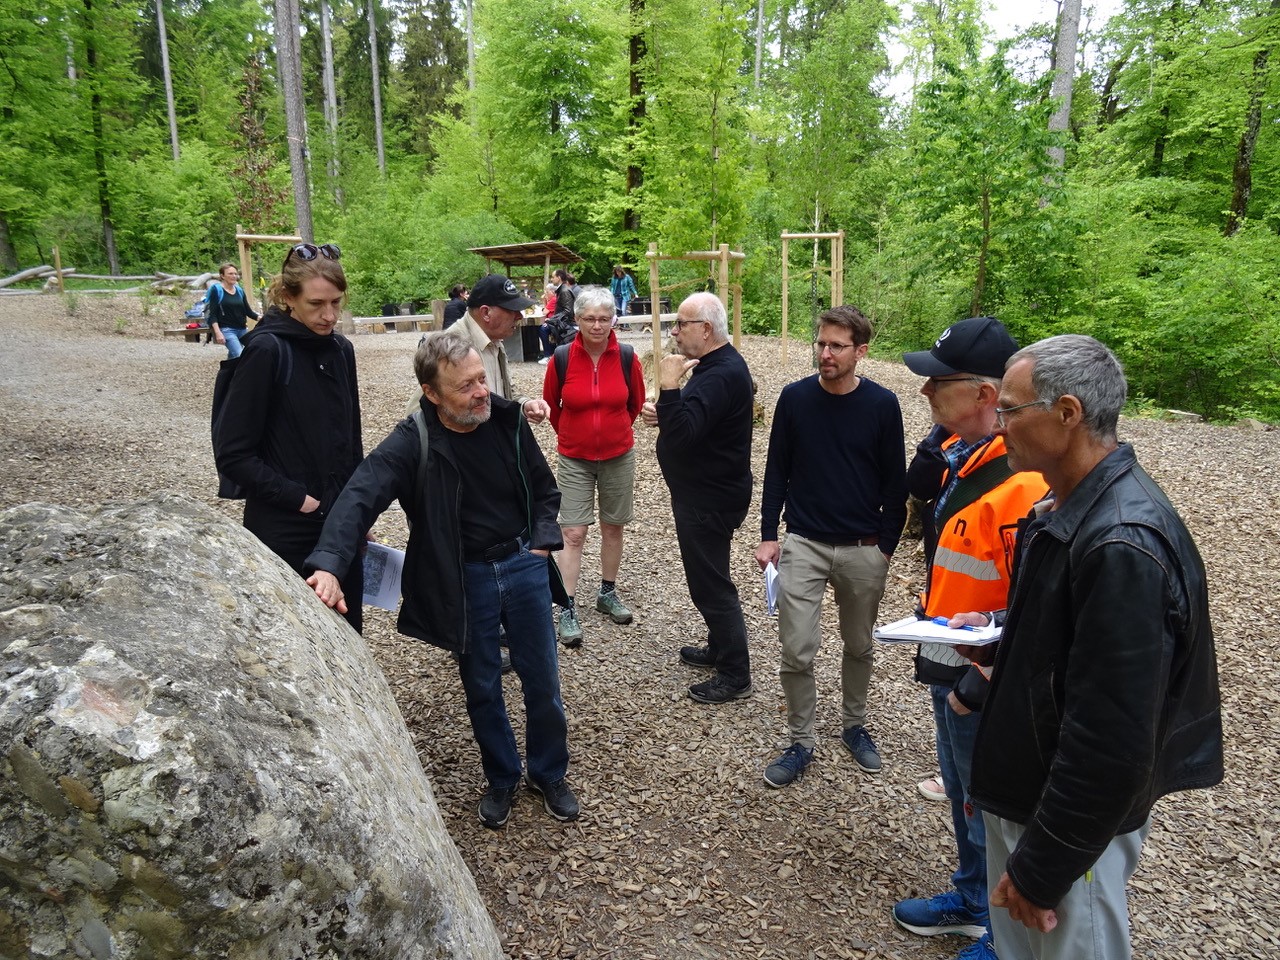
861, 542
499, 551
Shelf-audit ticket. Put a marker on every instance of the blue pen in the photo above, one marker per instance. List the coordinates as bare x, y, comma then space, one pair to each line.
943, 621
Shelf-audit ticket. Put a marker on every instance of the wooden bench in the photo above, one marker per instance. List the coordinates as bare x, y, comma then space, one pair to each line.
192, 335
412, 323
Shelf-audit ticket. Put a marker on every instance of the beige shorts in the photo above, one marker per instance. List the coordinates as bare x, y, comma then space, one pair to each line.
579, 481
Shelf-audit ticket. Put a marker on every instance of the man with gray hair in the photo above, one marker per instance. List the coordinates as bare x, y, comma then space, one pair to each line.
704, 451
482, 506
1104, 696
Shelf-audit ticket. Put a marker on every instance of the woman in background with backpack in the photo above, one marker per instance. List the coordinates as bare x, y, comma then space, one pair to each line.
228, 309
288, 432
595, 388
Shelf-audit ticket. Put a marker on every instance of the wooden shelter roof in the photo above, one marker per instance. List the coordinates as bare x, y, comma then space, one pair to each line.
535, 254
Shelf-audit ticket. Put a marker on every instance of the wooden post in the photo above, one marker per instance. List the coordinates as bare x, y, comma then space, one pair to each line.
736, 290
655, 314
786, 278
246, 265
57, 269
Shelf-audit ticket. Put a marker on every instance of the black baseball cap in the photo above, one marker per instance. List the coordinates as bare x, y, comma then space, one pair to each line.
979, 345
495, 290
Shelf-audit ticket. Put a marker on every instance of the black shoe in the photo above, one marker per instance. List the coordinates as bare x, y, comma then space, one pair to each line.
557, 799
719, 690
698, 656
495, 806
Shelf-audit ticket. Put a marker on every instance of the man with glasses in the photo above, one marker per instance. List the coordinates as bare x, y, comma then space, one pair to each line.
494, 310
836, 466
704, 450
976, 502
1104, 695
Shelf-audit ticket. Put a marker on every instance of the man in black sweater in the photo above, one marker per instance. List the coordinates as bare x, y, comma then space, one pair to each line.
704, 451
836, 462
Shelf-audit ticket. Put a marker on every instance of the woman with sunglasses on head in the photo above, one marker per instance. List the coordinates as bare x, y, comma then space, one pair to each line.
289, 431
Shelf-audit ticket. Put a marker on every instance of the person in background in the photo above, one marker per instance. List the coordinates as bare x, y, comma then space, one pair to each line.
457, 305
976, 502
228, 310
293, 445
1104, 695
704, 450
623, 289
482, 505
557, 327
592, 412
835, 465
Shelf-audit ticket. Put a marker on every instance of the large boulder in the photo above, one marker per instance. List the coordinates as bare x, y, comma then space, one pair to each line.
198, 760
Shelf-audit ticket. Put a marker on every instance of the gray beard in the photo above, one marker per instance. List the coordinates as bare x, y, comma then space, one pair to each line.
469, 420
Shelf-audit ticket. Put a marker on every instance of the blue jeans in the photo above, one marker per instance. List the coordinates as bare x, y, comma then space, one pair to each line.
514, 592
955, 737
232, 335
620, 304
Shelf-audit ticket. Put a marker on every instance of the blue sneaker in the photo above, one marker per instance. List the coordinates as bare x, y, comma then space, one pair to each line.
858, 742
788, 767
945, 913
983, 949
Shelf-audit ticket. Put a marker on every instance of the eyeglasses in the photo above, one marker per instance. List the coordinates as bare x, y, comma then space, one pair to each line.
592, 321
1002, 412
835, 348
935, 381
309, 251
681, 324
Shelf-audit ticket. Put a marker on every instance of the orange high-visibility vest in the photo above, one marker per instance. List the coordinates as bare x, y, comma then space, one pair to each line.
974, 559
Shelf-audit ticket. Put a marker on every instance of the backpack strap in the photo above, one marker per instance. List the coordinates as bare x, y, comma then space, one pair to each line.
968, 489
420, 476
561, 360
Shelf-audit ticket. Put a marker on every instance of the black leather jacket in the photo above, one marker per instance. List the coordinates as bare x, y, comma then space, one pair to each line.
1105, 691
434, 606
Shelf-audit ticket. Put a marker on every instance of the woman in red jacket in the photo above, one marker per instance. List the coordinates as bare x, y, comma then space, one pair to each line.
592, 410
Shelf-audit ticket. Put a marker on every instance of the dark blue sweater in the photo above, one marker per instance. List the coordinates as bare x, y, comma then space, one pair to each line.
838, 463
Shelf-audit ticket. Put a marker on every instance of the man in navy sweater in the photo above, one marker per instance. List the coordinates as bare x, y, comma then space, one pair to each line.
836, 464
704, 451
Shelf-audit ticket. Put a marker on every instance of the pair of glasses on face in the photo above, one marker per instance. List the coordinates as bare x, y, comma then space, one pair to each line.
595, 321
835, 349
681, 324
1003, 412
309, 251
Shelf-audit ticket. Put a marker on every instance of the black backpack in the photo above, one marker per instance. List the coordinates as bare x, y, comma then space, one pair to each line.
228, 489
561, 360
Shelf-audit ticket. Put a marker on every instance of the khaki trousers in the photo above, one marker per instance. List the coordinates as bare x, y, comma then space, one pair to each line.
858, 576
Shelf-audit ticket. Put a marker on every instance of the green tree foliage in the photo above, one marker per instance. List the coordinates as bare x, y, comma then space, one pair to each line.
743, 122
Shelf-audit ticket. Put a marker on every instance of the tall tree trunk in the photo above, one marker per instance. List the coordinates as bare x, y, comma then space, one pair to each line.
8, 255
377, 87
168, 77
1242, 173
471, 45
99, 146
759, 40
330, 101
980, 281
1064, 74
287, 31
635, 121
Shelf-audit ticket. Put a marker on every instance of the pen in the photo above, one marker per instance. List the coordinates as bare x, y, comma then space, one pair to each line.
943, 621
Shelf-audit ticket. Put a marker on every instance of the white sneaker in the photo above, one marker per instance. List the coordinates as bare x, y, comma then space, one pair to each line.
543, 361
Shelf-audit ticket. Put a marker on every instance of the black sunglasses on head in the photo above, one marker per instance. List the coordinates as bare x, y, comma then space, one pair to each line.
309, 251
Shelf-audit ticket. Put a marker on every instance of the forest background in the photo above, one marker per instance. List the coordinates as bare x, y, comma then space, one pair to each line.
1136, 201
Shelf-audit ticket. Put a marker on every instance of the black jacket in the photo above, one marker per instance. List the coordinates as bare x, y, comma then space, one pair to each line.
283, 442
1105, 691
433, 586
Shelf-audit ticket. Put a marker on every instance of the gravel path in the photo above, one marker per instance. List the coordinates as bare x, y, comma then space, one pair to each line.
682, 852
